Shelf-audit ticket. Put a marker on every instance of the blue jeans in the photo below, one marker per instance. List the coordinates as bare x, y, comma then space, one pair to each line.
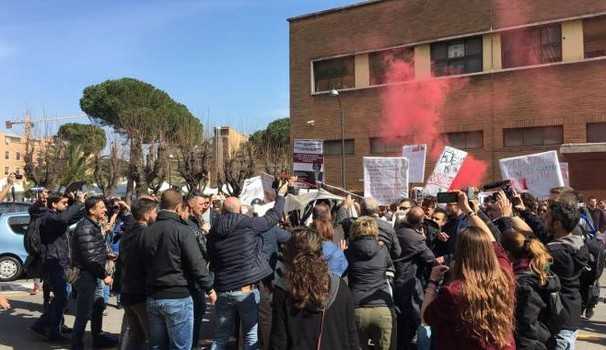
565, 339
171, 323
89, 306
247, 307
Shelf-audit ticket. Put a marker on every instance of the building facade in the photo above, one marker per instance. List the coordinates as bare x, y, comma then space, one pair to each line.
12, 152
534, 76
225, 143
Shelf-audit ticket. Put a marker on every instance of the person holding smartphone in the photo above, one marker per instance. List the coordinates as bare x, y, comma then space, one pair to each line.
475, 310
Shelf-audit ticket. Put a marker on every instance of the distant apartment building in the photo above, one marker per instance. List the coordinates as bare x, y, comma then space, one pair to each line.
521, 103
12, 153
226, 142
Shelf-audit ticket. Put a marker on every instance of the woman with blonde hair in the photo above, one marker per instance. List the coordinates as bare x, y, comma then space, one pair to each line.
314, 309
475, 310
368, 263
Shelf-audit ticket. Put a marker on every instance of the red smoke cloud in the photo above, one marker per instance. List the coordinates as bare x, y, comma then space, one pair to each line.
414, 111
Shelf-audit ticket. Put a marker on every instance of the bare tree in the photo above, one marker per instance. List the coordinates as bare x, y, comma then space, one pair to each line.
193, 165
236, 168
43, 164
108, 170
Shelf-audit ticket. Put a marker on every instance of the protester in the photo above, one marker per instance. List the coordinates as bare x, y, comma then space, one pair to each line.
368, 264
173, 259
387, 234
89, 256
537, 290
445, 243
55, 253
598, 215
32, 244
570, 256
322, 223
475, 310
412, 266
429, 205
234, 246
135, 333
315, 311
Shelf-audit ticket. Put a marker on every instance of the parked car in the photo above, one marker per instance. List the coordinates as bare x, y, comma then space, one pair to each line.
14, 207
12, 252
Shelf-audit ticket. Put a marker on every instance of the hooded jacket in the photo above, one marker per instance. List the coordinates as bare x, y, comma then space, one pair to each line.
173, 259
532, 310
294, 329
570, 257
235, 248
368, 262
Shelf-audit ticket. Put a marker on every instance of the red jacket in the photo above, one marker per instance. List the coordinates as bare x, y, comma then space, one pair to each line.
448, 332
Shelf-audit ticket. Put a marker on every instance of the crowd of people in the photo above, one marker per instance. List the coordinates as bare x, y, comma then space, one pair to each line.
508, 272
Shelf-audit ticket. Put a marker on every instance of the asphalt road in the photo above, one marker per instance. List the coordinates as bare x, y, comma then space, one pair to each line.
14, 324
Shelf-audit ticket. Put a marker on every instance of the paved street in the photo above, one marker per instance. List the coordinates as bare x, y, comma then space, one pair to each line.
26, 308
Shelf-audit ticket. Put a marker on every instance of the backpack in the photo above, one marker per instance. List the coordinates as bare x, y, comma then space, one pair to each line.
31, 239
555, 313
593, 271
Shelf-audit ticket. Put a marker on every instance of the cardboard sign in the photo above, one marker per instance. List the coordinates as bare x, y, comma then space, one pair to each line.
536, 173
445, 171
416, 155
308, 162
386, 179
565, 173
257, 187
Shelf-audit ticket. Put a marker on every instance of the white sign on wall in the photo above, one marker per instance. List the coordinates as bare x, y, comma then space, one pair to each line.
445, 171
386, 179
416, 155
536, 173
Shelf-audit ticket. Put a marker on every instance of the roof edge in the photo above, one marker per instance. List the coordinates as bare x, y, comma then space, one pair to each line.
333, 10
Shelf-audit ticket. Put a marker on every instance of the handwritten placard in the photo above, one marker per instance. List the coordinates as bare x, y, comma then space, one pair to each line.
416, 155
445, 171
536, 173
386, 179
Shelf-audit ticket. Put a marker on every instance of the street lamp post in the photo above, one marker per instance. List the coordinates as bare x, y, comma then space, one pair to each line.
170, 160
335, 93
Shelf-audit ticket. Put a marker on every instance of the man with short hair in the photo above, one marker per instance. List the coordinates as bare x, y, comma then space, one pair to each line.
446, 239
570, 256
174, 262
89, 255
133, 296
55, 254
234, 246
411, 267
598, 215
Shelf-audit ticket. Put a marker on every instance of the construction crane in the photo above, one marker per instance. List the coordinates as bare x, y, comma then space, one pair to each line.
28, 123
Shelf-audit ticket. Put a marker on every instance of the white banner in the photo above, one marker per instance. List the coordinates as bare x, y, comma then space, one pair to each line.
258, 187
386, 179
445, 171
565, 173
537, 173
416, 155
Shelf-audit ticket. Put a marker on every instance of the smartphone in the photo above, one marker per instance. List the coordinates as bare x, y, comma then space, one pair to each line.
18, 176
448, 197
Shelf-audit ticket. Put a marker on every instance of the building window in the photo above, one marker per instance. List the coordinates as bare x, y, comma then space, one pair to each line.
539, 136
6, 155
529, 46
380, 145
390, 66
333, 147
6, 170
596, 132
594, 36
336, 73
465, 140
18, 156
456, 56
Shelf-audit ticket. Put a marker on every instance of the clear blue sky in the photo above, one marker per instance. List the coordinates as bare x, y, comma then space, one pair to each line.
229, 57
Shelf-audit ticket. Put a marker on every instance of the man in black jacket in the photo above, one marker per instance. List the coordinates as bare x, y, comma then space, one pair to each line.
173, 262
89, 255
570, 256
235, 249
411, 267
133, 296
55, 254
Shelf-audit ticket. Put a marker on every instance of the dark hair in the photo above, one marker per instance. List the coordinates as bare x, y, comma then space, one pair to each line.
91, 202
193, 194
142, 206
170, 200
439, 210
530, 201
54, 198
323, 221
429, 202
566, 213
307, 276
412, 203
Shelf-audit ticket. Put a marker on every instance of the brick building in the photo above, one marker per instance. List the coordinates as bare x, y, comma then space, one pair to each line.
535, 71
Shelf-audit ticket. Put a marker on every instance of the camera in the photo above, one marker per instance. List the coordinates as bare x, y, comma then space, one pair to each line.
505, 185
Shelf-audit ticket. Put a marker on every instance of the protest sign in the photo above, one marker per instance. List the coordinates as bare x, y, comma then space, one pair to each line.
565, 173
536, 173
257, 187
386, 178
445, 171
308, 162
416, 155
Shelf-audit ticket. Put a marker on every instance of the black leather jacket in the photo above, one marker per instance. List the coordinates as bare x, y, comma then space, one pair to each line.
89, 251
